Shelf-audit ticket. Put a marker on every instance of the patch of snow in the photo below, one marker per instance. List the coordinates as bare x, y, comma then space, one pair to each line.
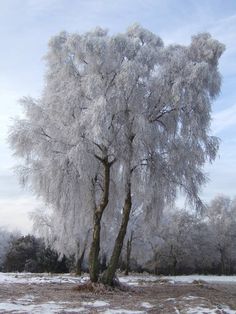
176, 310
122, 311
191, 297
227, 310
133, 279
133, 283
146, 305
27, 299
96, 303
203, 310
27, 308
136, 279
75, 310
20, 306
171, 299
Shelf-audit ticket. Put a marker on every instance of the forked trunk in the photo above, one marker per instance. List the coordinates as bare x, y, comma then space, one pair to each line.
95, 246
109, 274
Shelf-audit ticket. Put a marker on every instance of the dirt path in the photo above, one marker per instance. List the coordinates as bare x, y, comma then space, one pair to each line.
148, 297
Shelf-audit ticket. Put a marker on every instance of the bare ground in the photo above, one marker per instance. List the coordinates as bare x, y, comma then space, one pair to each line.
148, 297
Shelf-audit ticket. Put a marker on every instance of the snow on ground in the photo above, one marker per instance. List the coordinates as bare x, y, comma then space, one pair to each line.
202, 307
29, 304
96, 303
207, 278
136, 280
28, 278
133, 280
146, 305
203, 310
122, 311
24, 306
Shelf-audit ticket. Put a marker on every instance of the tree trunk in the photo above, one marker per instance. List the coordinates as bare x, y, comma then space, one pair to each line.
155, 265
109, 274
222, 259
95, 246
128, 254
79, 265
174, 267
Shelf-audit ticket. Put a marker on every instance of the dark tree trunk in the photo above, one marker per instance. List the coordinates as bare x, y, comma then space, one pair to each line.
95, 246
156, 265
128, 253
79, 264
174, 267
222, 260
109, 274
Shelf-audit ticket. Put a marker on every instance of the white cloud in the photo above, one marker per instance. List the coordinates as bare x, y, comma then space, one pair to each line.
14, 213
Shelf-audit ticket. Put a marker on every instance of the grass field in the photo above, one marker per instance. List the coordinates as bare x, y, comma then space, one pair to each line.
45, 293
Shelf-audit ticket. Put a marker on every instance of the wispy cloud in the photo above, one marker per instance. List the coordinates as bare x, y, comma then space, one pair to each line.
18, 210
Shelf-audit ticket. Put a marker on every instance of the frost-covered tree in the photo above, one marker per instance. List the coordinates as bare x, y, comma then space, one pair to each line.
123, 122
221, 219
176, 250
191, 243
45, 225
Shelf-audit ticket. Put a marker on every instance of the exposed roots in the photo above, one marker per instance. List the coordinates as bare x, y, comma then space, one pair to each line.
94, 287
100, 288
116, 284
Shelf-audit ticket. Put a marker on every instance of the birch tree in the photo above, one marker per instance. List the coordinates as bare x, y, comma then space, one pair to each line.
122, 122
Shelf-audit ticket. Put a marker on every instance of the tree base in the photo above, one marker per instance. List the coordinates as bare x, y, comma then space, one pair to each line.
99, 287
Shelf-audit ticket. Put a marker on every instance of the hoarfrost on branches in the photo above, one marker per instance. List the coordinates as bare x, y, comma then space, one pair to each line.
126, 101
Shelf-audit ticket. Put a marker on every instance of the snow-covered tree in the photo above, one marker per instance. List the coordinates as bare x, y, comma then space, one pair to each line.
195, 243
175, 251
123, 122
221, 220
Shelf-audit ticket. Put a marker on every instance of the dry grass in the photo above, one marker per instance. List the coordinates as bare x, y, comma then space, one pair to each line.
164, 297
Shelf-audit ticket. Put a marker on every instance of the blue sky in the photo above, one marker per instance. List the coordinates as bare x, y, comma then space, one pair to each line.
25, 28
